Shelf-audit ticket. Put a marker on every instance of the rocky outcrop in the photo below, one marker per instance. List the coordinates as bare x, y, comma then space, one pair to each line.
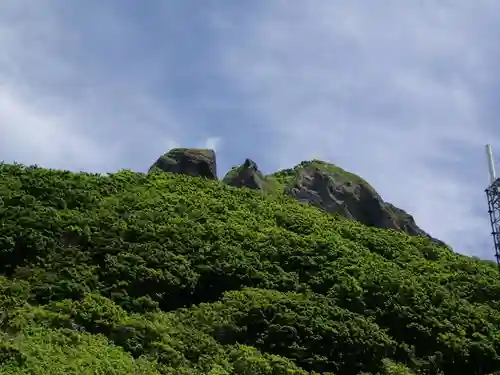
336, 191
335, 195
246, 175
188, 161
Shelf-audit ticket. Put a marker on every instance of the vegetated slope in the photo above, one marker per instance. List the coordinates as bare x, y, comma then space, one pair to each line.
331, 189
170, 274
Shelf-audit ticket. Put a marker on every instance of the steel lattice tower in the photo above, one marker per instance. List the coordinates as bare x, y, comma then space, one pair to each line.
493, 196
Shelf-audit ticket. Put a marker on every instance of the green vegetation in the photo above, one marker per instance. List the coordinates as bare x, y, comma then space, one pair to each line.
167, 274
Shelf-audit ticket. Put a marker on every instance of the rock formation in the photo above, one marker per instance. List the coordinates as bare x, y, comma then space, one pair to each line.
188, 161
246, 175
337, 191
328, 192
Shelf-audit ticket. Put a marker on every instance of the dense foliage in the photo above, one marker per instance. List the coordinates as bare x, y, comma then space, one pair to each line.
167, 274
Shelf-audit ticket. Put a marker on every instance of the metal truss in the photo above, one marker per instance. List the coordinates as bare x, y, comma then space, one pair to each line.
493, 196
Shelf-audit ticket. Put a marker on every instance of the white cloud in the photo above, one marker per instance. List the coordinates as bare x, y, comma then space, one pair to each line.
212, 143
60, 110
34, 136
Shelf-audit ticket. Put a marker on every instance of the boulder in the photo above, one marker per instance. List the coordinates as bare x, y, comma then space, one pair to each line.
189, 161
246, 175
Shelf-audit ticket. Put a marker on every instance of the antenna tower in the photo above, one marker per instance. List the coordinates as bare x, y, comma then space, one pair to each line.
493, 196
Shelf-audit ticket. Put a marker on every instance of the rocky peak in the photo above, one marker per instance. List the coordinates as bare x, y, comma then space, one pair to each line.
189, 161
334, 190
246, 175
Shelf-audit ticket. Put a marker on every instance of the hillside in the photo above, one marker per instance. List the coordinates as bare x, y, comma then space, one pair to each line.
323, 185
165, 273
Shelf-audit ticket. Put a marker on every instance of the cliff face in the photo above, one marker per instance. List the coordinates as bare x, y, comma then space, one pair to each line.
315, 182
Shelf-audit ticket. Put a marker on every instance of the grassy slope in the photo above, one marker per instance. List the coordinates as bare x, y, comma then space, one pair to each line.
161, 273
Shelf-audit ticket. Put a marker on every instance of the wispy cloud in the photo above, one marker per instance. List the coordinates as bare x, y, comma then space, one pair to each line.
212, 143
403, 94
30, 133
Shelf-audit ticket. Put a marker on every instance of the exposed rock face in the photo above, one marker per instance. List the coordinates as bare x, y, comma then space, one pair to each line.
188, 161
334, 192
246, 175
353, 201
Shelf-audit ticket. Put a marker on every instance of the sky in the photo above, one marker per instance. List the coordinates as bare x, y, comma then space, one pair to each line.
404, 94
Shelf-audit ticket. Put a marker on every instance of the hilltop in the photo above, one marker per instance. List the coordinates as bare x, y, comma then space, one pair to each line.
168, 273
317, 183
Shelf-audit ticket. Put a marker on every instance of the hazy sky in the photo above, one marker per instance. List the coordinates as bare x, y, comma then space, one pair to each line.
404, 94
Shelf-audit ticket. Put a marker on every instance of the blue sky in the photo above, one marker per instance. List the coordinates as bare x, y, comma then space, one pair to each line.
404, 94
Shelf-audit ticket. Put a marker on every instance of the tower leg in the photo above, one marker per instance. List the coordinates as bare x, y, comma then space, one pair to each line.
493, 196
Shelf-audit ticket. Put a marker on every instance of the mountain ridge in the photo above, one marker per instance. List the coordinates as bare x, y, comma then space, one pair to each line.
315, 182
